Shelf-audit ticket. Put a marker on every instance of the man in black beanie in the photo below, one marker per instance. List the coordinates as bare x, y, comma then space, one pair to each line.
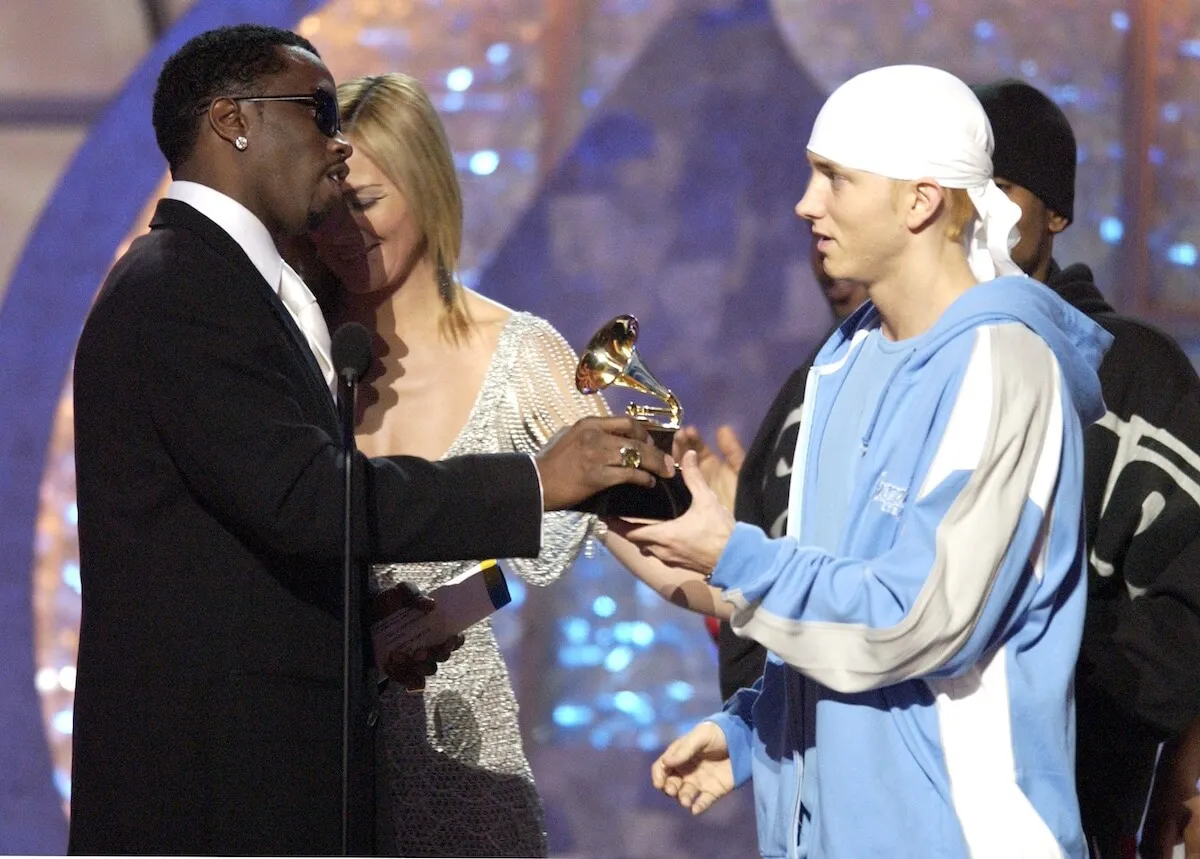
1138, 677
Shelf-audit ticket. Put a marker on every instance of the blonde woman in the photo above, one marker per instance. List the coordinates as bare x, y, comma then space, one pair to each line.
455, 373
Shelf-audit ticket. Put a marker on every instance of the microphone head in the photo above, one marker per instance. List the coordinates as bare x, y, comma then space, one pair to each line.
351, 349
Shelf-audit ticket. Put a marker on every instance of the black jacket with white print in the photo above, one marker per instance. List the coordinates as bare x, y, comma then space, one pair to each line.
1138, 679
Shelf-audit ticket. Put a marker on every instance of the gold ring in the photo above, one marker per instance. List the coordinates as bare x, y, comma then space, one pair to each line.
631, 457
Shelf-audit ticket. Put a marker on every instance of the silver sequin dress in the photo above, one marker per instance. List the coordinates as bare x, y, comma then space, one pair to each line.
452, 775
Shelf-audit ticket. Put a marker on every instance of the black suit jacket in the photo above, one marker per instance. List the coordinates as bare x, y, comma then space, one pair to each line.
209, 479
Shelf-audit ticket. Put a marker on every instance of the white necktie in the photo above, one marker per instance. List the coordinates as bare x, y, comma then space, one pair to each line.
302, 304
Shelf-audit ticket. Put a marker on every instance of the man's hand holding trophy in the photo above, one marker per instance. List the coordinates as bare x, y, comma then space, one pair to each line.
611, 359
668, 535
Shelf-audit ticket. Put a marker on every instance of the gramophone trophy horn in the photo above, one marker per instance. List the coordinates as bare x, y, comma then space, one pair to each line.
611, 359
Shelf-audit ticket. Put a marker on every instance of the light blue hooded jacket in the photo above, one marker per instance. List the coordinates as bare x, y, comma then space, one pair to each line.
917, 700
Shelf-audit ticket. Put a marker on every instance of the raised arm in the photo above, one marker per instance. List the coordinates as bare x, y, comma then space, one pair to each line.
681, 587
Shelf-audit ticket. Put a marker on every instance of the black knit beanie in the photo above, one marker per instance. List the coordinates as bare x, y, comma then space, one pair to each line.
1035, 147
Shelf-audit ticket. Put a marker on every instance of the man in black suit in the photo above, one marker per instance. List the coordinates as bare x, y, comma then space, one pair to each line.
209, 474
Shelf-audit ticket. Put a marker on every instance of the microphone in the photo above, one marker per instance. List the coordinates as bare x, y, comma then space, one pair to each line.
351, 349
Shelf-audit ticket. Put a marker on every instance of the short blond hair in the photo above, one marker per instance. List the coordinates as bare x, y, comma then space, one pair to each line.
960, 213
394, 124
957, 209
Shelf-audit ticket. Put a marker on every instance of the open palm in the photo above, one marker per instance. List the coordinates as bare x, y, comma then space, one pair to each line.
719, 467
695, 769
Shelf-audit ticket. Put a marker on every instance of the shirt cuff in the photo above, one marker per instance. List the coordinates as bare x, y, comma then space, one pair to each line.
740, 560
737, 739
541, 491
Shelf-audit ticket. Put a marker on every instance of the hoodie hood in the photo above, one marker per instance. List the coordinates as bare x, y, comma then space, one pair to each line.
1075, 285
1077, 342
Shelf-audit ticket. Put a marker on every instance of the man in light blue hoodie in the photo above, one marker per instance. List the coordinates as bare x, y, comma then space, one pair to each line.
924, 609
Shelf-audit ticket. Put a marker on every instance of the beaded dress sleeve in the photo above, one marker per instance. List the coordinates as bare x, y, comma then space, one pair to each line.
541, 399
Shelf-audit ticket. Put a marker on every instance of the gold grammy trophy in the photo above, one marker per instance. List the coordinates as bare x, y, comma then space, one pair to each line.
611, 359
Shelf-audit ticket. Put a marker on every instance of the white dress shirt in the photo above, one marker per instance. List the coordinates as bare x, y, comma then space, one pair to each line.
252, 237
250, 234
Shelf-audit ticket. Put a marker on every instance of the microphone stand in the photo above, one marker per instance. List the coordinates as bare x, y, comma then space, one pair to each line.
351, 588
351, 349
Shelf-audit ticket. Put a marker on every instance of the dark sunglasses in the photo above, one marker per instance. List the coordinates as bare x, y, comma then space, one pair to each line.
323, 103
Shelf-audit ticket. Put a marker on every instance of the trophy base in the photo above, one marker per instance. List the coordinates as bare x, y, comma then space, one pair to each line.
667, 499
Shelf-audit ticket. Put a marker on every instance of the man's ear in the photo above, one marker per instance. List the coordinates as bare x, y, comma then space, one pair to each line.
1056, 223
225, 117
924, 199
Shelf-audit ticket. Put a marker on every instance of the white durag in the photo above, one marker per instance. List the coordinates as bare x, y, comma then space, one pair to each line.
917, 122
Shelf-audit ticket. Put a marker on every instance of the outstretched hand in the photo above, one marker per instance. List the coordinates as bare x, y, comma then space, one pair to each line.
720, 468
693, 541
695, 769
595, 453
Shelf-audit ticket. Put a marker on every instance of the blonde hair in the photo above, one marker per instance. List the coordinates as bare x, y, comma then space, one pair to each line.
394, 124
957, 209
960, 212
